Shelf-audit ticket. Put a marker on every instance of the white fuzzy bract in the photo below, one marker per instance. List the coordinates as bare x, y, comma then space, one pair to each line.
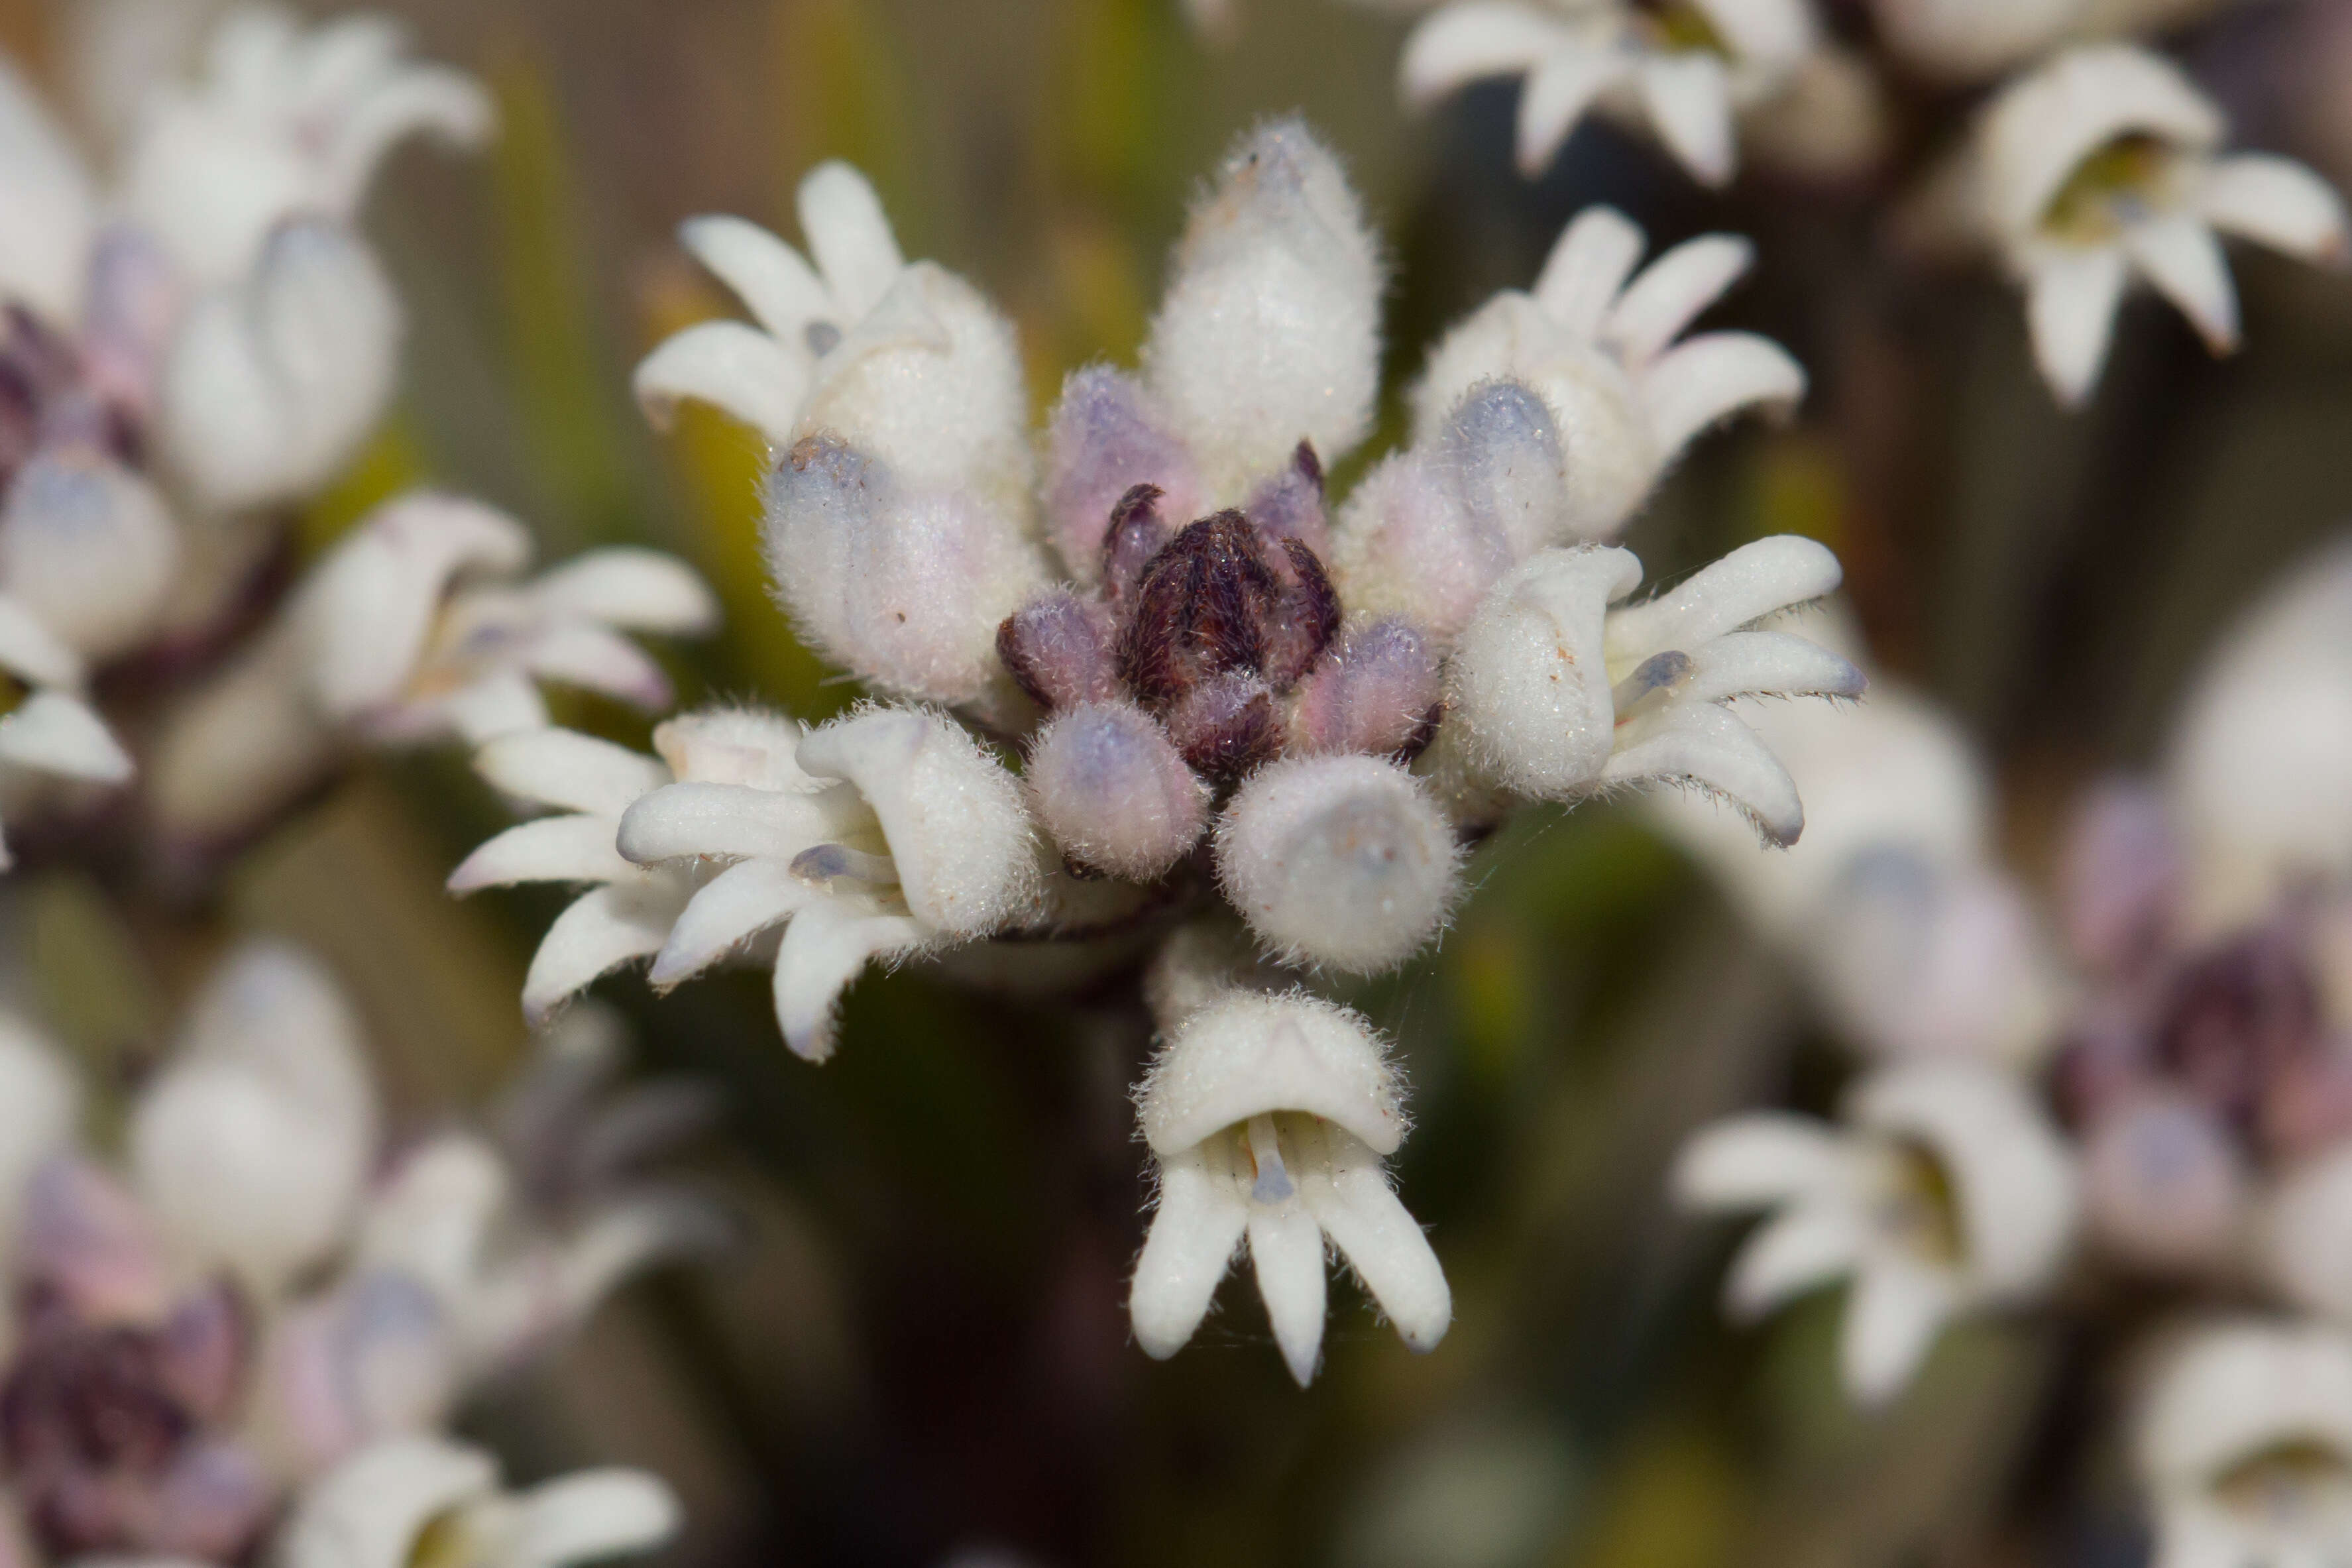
1948, 1191
1267, 1116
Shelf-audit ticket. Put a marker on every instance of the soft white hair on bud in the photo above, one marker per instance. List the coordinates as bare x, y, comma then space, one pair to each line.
1338, 860
88, 546
253, 1146
1530, 687
273, 380
929, 384
903, 586
1431, 529
1104, 439
1269, 332
1110, 788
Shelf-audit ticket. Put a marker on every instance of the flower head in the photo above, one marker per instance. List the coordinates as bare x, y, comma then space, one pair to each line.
2105, 162
1684, 68
1948, 1191
1267, 1116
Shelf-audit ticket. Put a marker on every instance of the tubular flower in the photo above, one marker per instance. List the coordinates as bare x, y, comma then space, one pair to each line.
2245, 1446
1267, 1117
1597, 342
2105, 163
1559, 695
1686, 67
888, 833
1947, 1193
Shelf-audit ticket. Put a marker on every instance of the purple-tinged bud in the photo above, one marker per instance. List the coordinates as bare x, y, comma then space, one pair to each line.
2163, 1184
2119, 875
1291, 504
1109, 787
1136, 534
1226, 725
1338, 860
1058, 649
1378, 692
1304, 618
1102, 440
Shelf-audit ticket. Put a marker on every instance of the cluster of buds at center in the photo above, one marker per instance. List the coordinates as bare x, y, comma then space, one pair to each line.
1208, 650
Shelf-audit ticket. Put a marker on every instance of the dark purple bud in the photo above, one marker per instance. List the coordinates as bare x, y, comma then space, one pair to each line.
1136, 534
1305, 619
1377, 692
1290, 504
1225, 726
1058, 649
203, 1351
1200, 610
2237, 1017
1102, 441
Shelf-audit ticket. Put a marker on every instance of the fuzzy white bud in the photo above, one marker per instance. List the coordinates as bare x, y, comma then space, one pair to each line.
1110, 788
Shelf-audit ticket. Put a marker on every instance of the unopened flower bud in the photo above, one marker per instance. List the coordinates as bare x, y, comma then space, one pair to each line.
1377, 692
1226, 725
1112, 791
1103, 440
2163, 1184
87, 545
1290, 504
1057, 649
1270, 329
1341, 860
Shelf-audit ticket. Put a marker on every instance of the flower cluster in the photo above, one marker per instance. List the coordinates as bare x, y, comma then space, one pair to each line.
253, 1303
2159, 1089
1159, 661
2095, 162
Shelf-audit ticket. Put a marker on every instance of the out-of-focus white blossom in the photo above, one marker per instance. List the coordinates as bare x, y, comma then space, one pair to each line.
1603, 347
251, 1148
1973, 40
412, 1499
415, 627
1684, 68
284, 122
1948, 1191
1342, 861
1267, 1117
88, 548
884, 834
2245, 1446
1559, 695
53, 730
2261, 759
2104, 165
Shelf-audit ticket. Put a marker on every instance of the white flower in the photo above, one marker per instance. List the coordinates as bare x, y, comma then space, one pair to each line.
1340, 860
412, 1499
53, 731
1599, 343
1948, 1191
415, 629
893, 833
252, 1147
628, 909
1556, 694
2300, 1240
2261, 759
2103, 163
2245, 1448
287, 122
1267, 1117
48, 205
1685, 67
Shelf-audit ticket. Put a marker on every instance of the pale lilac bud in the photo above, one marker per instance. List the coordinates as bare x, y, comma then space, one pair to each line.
1226, 725
86, 545
1138, 531
1428, 532
1377, 692
1103, 439
1269, 332
1290, 505
1112, 789
904, 587
2118, 873
1058, 650
2163, 1184
1340, 860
